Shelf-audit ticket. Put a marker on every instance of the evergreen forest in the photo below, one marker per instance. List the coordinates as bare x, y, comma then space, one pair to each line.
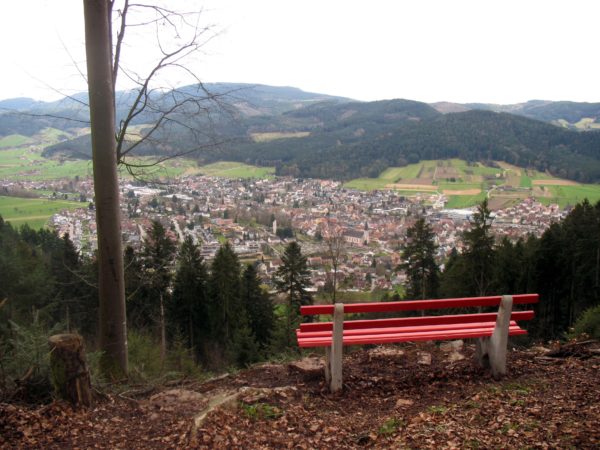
187, 315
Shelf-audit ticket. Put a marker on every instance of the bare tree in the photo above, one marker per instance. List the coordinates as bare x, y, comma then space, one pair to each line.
165, 110
160, 108
333, 236
111, 284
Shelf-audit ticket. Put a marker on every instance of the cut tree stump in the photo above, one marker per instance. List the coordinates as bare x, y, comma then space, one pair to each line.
68, 370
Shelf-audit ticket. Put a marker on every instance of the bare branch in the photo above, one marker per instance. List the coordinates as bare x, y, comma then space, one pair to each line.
120, 37
83, 75
52, 116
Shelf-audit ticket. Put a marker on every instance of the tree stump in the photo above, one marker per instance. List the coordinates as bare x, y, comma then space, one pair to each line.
68, 369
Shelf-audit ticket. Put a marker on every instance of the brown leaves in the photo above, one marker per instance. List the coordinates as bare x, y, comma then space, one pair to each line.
389, 401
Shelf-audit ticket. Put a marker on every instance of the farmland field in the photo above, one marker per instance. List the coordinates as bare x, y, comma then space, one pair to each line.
467, 184
35, 212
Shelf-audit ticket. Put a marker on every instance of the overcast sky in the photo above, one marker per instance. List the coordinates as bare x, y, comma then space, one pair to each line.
499, 51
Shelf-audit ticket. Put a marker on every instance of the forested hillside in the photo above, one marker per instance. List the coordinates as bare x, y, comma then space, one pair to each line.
313, 135
348, 151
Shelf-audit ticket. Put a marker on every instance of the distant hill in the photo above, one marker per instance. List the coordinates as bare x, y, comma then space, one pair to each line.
316, 135
27, 117
472, 135
19, 103
582, 116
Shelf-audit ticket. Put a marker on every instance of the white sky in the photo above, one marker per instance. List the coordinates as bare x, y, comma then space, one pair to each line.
500, 51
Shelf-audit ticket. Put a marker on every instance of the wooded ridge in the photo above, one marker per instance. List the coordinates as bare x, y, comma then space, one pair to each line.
313, 135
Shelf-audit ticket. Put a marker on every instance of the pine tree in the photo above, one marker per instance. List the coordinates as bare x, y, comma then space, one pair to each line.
224, 290
232, 339
259, 306
479, 252
158, 253
455, 279
293, 279
420, 266
188, 310
136, 289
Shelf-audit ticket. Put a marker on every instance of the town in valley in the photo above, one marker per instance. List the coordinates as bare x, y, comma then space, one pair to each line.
258, 216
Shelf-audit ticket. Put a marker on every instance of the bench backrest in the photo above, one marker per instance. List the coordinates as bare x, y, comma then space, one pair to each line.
415, 321
419, 305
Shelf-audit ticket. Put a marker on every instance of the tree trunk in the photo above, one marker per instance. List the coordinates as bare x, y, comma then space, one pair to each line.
163, 333
68, 369
111, 286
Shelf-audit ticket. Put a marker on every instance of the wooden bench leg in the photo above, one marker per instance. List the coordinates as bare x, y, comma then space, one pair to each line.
491, 352
328, 366
337, 344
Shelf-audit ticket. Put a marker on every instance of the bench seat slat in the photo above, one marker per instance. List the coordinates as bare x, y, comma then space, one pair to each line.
419, 305
392, 330
414, 321
408, 337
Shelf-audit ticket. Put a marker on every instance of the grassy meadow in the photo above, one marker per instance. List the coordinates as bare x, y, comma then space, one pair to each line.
26, 163
14, 140
271, 136
33, 211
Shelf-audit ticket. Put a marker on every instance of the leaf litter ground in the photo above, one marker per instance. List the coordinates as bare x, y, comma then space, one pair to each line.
391, 399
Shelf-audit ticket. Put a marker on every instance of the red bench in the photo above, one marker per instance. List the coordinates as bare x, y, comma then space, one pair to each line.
491, 329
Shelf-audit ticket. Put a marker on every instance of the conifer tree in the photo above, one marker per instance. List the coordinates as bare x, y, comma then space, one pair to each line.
158, 255
187, 311
420, 266
155, 264
224, 291
479, 252
293, 279
259, 306
232, 339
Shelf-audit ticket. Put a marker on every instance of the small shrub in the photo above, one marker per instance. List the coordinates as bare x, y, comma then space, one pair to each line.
145, 365
25, 361
144, 356
180, 360
588, 323
390, 426
261, 411
437, 409
517, 388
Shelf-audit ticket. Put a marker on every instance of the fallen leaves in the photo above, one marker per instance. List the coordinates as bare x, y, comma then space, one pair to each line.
389, 401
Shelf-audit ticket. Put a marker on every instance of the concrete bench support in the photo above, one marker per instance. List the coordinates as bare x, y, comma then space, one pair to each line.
491, 352
333, 354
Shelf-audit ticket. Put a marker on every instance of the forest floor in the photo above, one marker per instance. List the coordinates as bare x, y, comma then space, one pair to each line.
393, 397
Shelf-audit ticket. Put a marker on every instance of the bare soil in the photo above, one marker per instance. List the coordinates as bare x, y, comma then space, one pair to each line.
414, 185
554, 183
462, 191
389, 400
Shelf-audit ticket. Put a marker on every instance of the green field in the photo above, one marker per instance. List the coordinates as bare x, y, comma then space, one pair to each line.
396, 174
236, 170
35, 212
587, 123
367, 184
571, 195
13, 140
271, 136
27, 164
454, 175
